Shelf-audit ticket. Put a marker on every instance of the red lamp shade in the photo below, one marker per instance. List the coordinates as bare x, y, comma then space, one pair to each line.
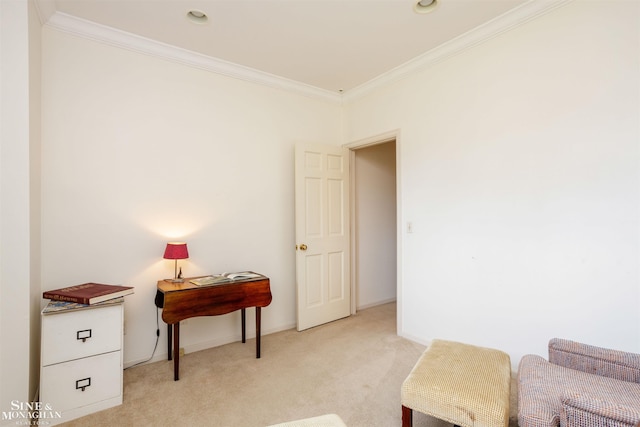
176, 250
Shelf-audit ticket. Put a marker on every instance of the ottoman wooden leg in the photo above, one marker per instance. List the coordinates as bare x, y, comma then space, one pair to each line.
407, 416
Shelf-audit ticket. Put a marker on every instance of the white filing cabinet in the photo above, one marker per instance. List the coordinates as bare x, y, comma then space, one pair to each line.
81, 358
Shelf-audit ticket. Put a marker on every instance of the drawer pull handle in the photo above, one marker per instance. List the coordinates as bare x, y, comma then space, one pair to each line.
83, 335
83, 383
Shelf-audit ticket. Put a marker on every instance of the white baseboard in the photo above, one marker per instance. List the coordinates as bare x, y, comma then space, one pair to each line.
415, 339
204, 345
375, 304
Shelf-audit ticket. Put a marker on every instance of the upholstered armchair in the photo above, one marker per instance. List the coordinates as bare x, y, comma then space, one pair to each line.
579, 386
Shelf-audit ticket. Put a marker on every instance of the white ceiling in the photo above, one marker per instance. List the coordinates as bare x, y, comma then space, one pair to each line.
333, 45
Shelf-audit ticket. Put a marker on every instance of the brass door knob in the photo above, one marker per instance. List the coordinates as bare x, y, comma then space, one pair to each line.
303, 247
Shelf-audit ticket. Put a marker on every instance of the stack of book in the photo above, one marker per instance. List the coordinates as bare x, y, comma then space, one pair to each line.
88, 293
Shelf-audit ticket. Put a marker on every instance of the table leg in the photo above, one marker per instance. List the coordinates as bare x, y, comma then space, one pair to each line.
169, 339
258, 312
243, 314
407, 416
176, 351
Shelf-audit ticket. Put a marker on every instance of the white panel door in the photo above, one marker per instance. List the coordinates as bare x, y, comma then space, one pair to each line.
322, 234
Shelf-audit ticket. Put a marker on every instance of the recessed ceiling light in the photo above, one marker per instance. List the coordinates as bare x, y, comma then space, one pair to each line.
425, 6
197, 16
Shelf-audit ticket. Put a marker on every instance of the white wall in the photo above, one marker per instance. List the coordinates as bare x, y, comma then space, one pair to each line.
138, 151
376, 226
19, 140
519, 171
35, 139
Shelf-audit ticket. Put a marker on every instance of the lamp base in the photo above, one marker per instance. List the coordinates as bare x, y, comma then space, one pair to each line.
174, 280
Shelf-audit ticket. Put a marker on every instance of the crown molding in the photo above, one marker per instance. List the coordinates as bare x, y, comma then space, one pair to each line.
499, 25
122, 39
111, 36
45, 9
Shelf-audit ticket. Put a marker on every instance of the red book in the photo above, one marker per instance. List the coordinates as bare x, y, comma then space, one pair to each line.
88, 293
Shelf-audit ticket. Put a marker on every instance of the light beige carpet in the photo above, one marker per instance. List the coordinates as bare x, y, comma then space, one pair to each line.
353, 367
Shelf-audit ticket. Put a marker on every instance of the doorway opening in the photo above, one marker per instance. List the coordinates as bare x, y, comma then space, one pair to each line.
374, 224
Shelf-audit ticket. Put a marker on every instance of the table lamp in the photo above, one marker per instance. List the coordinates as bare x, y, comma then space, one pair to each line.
176, 251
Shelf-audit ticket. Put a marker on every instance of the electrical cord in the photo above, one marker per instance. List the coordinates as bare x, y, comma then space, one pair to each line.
157, 339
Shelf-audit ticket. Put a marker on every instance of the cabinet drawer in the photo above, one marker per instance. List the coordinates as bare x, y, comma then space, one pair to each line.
81, 333
61, 384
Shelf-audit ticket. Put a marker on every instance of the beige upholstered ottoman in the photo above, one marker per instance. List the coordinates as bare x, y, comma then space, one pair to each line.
329, 420
461, 384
